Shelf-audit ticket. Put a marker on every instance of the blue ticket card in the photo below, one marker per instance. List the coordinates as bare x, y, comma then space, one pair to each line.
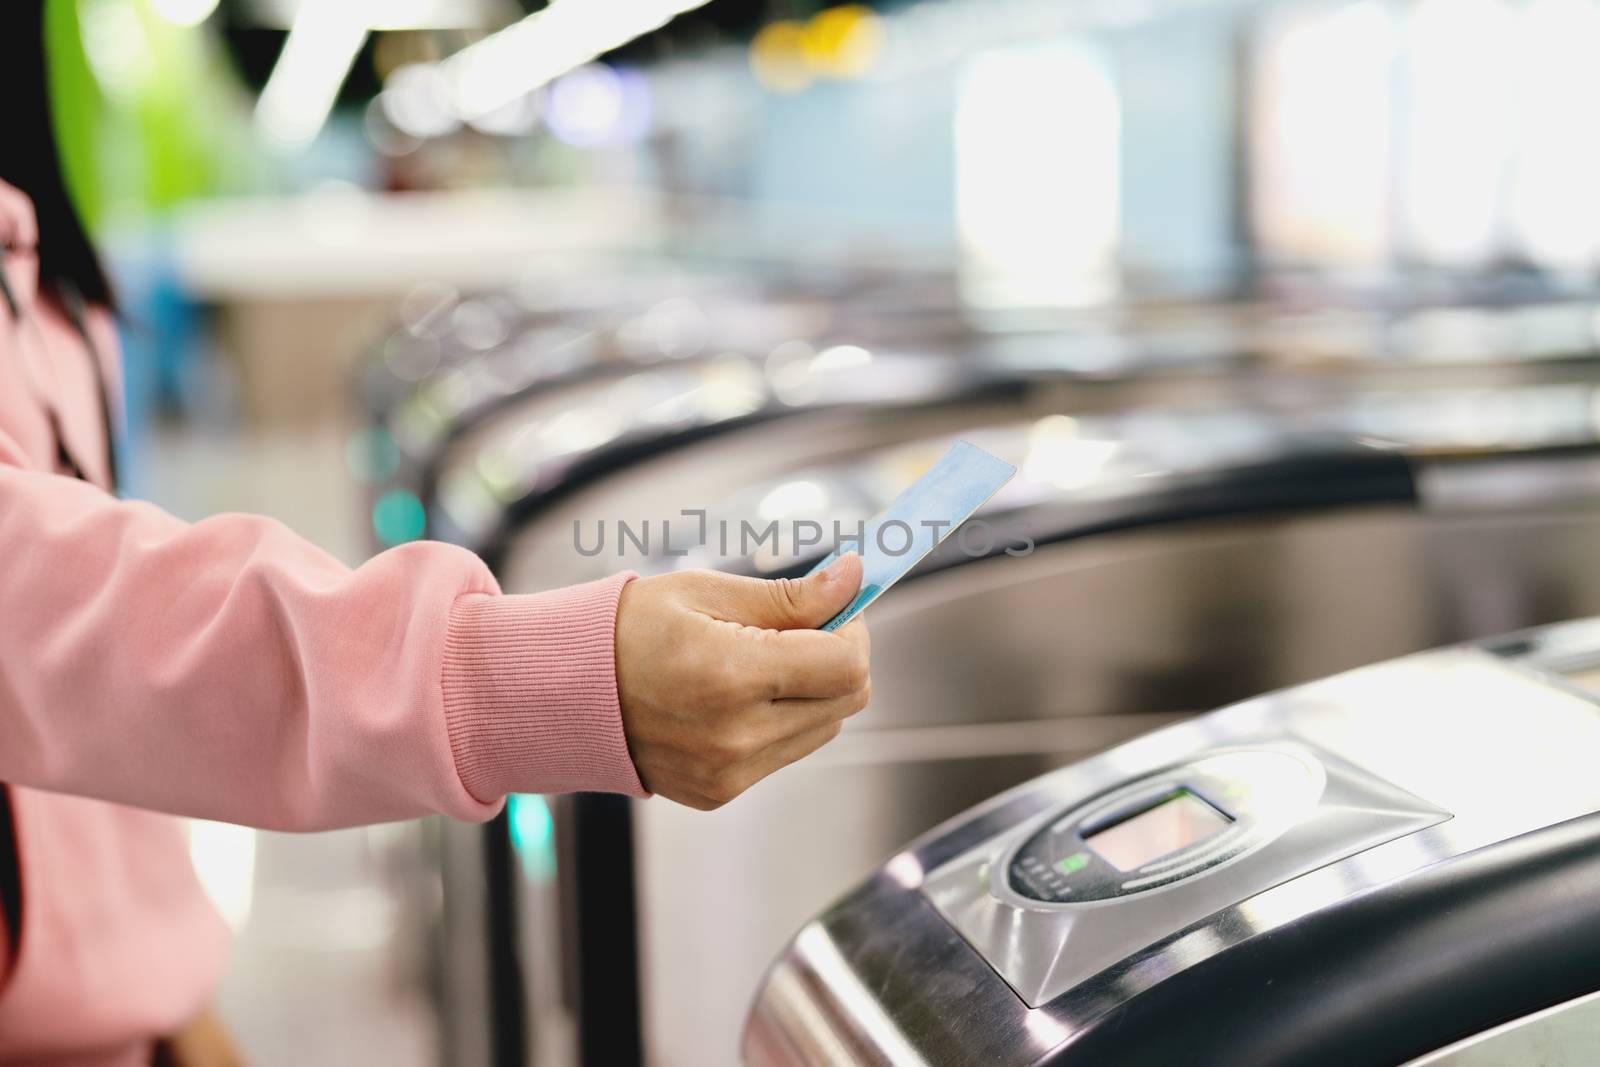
927, 512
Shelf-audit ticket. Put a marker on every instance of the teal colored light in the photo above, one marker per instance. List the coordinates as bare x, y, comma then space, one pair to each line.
398, 517
533, 835
371, 455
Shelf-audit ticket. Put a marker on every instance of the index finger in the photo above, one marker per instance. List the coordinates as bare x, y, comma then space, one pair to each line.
810, 663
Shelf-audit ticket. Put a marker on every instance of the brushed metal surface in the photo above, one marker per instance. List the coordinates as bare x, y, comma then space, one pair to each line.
1430, 724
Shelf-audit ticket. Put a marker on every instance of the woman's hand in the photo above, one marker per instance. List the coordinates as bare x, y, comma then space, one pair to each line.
725, 679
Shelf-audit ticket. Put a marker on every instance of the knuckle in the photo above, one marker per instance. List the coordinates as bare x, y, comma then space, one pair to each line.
788, 594
733, 745
859, 674
725, 786
863, 696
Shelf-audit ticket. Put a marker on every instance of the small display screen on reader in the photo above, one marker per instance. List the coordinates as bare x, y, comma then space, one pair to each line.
1175, 822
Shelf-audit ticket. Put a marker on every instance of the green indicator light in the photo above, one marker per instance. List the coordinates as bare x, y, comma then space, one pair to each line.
1075, 862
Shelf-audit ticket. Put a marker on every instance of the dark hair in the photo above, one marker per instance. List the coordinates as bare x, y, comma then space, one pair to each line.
31, 161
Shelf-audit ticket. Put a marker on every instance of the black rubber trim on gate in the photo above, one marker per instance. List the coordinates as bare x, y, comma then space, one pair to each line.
426, 474
1354, 476
610, 1026
1298, 483
508, 1021
631, 450
1382, 977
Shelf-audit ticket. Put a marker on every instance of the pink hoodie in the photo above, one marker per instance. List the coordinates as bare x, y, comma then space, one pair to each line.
229, 670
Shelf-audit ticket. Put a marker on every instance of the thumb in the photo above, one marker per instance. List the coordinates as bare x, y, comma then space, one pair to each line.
797, 603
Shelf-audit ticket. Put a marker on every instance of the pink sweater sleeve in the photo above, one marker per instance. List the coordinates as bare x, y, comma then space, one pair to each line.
228, 669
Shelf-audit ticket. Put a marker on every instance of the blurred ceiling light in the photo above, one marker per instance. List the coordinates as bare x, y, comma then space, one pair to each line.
596, 105
322, 45
185, 12
563, 36
844, 41
390, 14
324, 40
118, 50
515, 119
416, 99
778, 57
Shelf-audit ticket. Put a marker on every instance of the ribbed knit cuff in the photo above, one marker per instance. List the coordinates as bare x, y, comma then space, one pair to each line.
530, 693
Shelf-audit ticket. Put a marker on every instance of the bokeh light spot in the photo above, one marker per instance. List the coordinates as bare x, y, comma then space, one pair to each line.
371, 455
532, 835
778, 57
398, 517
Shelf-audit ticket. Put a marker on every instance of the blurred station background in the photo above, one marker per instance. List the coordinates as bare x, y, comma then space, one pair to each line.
1287, 311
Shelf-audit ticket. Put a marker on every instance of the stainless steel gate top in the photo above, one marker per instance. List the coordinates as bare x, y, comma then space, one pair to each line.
1037, 927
